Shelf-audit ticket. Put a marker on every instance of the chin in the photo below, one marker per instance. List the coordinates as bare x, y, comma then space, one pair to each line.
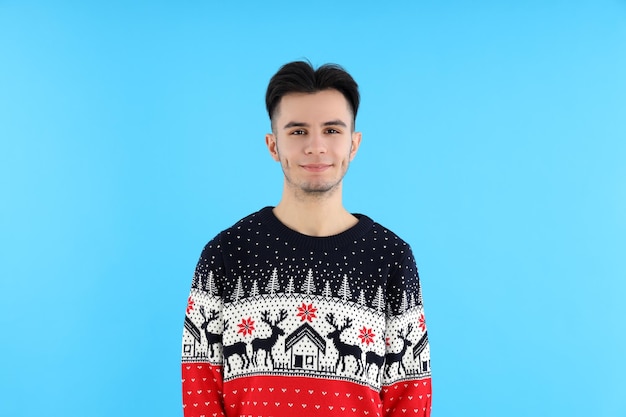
318, 188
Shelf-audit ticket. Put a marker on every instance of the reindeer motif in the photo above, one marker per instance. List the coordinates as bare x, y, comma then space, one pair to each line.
344, 349
211, 338
268, 343
397, 357
238, 348
372, 358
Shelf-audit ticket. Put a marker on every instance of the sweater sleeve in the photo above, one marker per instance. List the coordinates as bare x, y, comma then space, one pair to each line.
202, 356
406, 383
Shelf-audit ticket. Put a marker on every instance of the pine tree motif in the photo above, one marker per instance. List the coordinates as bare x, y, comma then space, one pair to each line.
289, 290
362, 297
344, 291
412, 300
308, 287
272, 285
209, 285
238, 293
404, 305
379, 300
195, 283
327, 291
254, 291
419, 294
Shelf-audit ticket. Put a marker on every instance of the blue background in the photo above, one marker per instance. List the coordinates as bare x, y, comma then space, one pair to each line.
494, 141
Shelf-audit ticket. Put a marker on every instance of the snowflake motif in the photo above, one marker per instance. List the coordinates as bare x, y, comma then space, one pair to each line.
366, 335
307, 312
422, 321
190, 304
246, 326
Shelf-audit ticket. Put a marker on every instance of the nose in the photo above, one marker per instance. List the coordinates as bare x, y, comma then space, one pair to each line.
316, 144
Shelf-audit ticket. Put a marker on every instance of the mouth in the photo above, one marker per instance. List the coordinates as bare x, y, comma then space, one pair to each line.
316, 167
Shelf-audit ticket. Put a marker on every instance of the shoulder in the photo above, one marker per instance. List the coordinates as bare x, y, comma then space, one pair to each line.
383, 234
250, 224
251, 221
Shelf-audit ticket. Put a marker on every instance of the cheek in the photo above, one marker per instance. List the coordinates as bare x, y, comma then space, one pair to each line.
351, 152
283, 158
288, 151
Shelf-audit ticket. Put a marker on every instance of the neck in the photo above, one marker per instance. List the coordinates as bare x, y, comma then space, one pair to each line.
314, 215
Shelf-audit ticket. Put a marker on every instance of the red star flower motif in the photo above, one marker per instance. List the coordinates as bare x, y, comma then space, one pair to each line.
307, 312
387, 341
422, 321
190, 304
366, 335
246, 326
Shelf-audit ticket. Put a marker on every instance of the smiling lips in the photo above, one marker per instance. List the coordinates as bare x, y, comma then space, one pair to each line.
316, 167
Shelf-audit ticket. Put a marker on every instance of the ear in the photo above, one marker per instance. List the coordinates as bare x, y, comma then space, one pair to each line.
356, 142
272, 146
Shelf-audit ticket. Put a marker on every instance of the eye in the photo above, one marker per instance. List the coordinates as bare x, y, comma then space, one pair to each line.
332, 131
298, 132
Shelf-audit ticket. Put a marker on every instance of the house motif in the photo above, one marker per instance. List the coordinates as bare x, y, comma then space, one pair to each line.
190, 343
418, 350
304, 346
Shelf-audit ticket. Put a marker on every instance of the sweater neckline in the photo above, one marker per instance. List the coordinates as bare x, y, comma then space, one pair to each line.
302, 241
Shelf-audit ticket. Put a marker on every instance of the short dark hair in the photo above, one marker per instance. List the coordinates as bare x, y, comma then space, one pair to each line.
301, 77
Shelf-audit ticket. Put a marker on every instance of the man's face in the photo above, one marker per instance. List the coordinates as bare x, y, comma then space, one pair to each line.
313, 140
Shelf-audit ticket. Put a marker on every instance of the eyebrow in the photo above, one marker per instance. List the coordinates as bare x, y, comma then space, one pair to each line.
302, 124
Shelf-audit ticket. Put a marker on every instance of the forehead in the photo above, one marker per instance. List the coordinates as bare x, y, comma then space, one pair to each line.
319, 106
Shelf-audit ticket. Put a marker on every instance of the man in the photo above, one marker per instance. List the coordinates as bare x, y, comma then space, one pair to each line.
304, 308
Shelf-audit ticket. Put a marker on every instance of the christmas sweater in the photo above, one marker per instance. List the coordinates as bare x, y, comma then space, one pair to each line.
281, 324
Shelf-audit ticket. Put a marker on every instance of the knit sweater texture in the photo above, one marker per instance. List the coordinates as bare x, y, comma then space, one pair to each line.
281, 324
